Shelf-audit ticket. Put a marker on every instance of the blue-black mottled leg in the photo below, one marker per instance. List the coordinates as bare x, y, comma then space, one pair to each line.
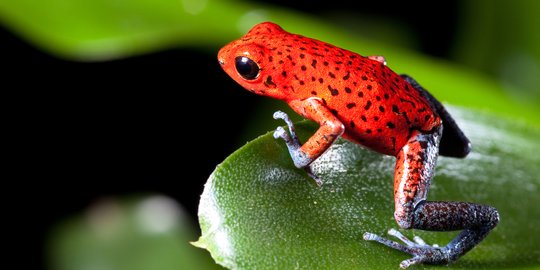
292, 141
330, 128
293, 144
475, 220
415, 165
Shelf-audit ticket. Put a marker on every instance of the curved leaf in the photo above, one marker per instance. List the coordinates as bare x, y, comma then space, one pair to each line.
259, 212
106, 29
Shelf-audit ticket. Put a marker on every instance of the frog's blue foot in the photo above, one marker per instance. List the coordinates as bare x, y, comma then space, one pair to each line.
422, 252
293, 144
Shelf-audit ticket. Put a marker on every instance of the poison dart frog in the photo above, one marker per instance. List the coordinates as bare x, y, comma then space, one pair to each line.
363, 100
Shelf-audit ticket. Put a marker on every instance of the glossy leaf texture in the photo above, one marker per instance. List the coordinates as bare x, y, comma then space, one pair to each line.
259, 212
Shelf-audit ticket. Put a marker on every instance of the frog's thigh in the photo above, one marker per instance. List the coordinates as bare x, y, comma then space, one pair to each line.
415, 165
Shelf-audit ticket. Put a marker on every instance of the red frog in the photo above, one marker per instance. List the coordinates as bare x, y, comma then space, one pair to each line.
364, 101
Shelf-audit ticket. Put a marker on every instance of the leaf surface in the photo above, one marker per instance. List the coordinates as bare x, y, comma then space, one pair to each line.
259, 212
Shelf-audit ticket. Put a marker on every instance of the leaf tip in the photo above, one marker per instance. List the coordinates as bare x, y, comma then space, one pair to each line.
199, 243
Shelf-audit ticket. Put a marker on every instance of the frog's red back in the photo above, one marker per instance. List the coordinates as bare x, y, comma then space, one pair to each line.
378, 107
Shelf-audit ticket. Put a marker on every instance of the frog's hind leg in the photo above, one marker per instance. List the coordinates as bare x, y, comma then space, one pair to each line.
415, 165
454, 143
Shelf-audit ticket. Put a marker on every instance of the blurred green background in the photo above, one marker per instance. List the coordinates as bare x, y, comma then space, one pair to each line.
111, 95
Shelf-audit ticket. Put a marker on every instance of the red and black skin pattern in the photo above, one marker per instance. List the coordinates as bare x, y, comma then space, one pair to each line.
377, 107
364, 101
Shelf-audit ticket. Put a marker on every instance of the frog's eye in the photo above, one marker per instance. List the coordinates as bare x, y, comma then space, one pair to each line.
247, 68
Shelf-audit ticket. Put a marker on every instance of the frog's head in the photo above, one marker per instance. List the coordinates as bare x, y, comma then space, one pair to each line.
251, 61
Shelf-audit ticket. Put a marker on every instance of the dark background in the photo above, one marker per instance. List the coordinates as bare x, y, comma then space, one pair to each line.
85, 131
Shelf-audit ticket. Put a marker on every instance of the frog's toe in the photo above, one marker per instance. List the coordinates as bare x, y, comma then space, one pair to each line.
290, 139
422, 252
280, 115
417, 240
281, 133
414, 260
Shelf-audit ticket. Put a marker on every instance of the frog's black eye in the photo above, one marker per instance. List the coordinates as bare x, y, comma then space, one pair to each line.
247, 68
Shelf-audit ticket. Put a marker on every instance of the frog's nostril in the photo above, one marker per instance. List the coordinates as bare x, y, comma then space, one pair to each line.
221, 62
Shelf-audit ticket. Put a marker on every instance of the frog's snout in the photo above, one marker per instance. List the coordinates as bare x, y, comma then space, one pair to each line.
221, 56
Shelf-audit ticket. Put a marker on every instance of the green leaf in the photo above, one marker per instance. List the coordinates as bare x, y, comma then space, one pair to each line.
106, 29
150, 232
259, 212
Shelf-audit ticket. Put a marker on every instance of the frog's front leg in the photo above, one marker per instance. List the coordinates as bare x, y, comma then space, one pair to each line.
330, 129
415, 165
